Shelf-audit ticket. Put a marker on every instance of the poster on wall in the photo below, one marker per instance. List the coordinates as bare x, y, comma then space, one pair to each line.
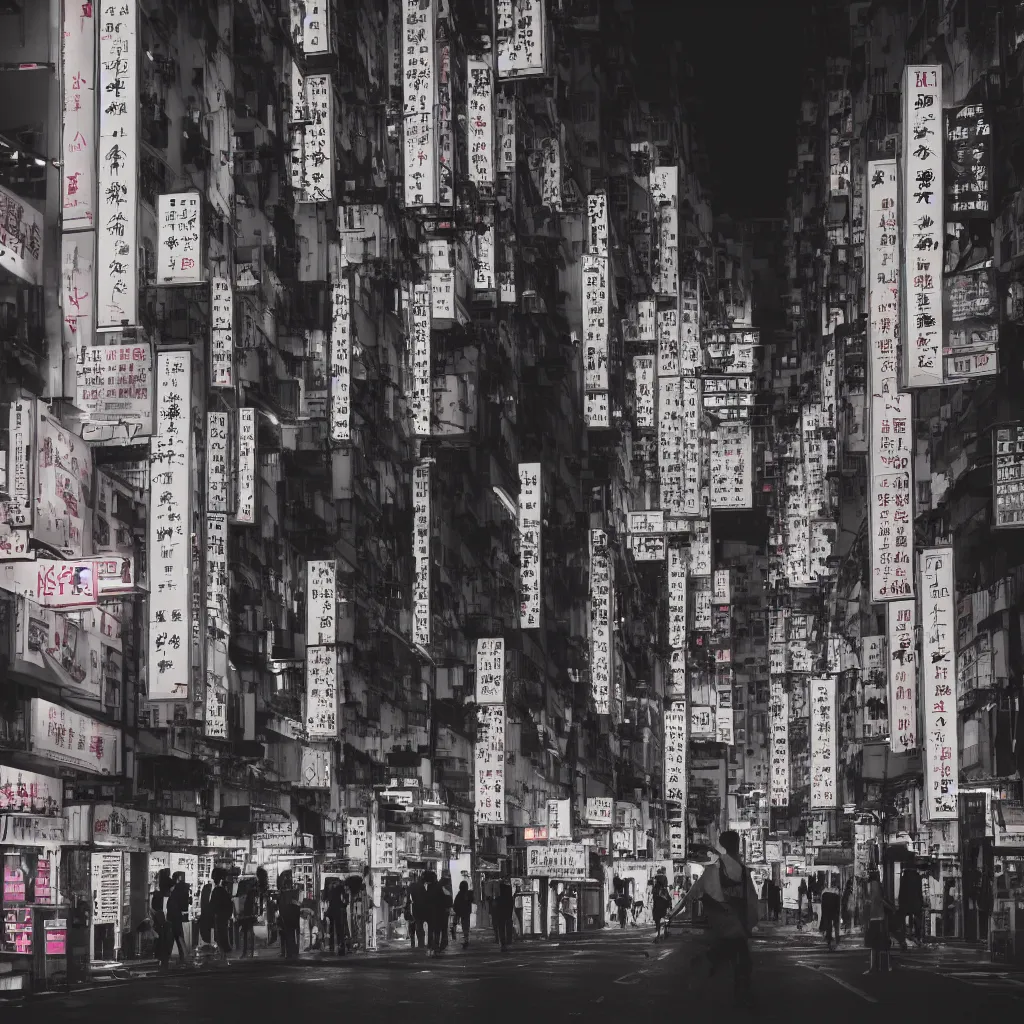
922, 231
600, 622
824, 768
901, 631
117, 260
938, 683
78, 126
179, 239
522, 38
114, 388
170, 540
61, 734
64, 484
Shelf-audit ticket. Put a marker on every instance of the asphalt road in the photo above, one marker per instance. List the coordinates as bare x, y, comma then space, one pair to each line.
613, 977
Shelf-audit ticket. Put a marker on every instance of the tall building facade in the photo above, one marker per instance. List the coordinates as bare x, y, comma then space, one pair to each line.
371, 374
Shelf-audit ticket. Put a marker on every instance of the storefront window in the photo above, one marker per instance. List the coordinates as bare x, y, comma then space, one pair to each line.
27, 882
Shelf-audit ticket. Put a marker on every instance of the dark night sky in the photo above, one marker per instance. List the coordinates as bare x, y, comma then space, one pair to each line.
748, 63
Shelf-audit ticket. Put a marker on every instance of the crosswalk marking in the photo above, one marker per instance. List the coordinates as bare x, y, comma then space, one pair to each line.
839, 981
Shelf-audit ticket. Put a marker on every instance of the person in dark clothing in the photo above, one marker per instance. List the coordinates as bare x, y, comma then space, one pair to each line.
157, 909
911, 902
177, 914
463, 906
830, 912
504, 910
416, 909
430, 885
205, 919
661, 904
846, 909
220, 912
290, 916
441, 908
337, 917
802, 898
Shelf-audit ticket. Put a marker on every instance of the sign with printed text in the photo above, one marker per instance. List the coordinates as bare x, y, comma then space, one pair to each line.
901, 631
421, 595
489, 765
778, 717
565, 861
78, 127
600, 622
321, 603
341, 361
529, 517
490, 671
824, 767
522, 38
179, 239
64, 735
1008, 476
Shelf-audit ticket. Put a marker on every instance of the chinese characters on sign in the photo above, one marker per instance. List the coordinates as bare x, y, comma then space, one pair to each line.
676, 597
901, 625
823, 743
891, 438
421, 395
938, 683
246, 475
421, 554
113, 387
1008, 476
316, 37
599, 811
521, 38
595, 322
318, 141
600, 621
968, 183
217, 570
170, 530
78, 130
117, 270
21, 238
490, 671
217, 461
731, 467
77, 274
321, 693
321, 603
222, 333
355, 838
506, 114
23, 792
565, 861
480, 120
341, 359
529, 544
671, 456
597, 224
385, 855
675, 763
668, 343
665, 196
778, 713
643, 371
61, 734
419, 99
179, 239
922, 224
489, 765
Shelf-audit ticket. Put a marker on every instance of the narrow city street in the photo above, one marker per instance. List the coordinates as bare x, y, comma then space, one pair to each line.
609, 977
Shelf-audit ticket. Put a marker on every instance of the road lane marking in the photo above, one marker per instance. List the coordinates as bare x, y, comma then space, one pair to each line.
839, 981
634, 977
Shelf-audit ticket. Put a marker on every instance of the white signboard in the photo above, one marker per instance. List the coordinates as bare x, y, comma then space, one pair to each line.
522, 38
170, 531
60, 734
341, 362
480, 120
217, 588
668, 343
600, 622
490, 671
938, 682
700, 550
671, 456
78, 293
676, 597
419, 93
385, 855
599, 811
489, 765
506, 112
63, 484
106, 871
114, 388
179, 239
824, 768
559, 814
314, 768
529, 544
117, 260
665, 196
246, 467
222, 333
321, 603
355, 837
321, 693
901, 627
778, 714
721, 587
643, 391
922, 230
731, 466
597, 224
568, 862
483, 267
420, 133
24, 792
78, 128
595, 322
646, 320
647, 523
596, 414
318, 141
316, 24
694, 450
21, 238
421, 554
675, 760
702, 721
217, 461
421, 395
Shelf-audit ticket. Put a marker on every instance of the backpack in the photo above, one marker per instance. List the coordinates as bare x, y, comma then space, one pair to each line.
734, 891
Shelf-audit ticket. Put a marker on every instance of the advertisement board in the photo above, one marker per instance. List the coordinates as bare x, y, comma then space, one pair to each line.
321, 603
341, 361
78, 135
901, 632
68, 736
529, 544
600, 622
489, 765
114, 388
522, 38
421, 624
778, 714
421, 397
824, 765
321, 693
490, 671
179, 257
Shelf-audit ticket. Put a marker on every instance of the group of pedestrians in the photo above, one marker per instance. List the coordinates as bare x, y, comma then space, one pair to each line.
433, 913
170, 909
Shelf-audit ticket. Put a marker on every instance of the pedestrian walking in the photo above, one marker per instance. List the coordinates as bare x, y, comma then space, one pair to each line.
178, 902
729, 899
289, 915
911, 902
221, 911
247, 920
417, 907
157, 910
433, 887
463, 907
877, 933
802, 897
442, 907
337, 916
205, 918
830, 912
661, 904
504, 911
847, 906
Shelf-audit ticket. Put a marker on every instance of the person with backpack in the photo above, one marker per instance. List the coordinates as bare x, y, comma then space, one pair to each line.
661, 904
729, 900
463, 907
